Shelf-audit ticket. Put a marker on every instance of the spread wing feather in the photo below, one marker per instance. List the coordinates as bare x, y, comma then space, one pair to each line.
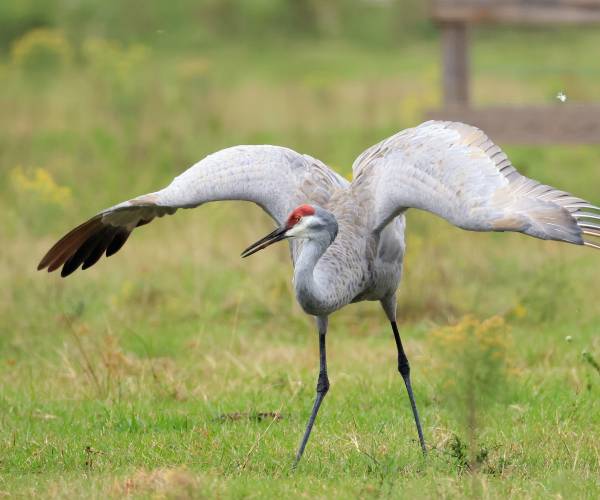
277, 179
455, 171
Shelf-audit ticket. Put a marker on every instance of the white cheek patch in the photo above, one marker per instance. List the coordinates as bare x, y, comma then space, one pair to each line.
298, 231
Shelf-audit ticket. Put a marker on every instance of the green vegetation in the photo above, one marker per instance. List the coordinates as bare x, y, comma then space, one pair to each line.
177, 370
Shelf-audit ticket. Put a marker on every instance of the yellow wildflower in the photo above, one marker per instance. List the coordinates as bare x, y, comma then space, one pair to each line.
41, 49
40, 184
519, 311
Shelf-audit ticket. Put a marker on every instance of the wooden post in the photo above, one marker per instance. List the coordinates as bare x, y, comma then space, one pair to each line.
455, 60
556, 123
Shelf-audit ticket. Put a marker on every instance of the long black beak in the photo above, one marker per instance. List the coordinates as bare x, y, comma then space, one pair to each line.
269, 239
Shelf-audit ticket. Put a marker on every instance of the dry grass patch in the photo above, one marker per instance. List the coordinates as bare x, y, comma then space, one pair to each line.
172, 483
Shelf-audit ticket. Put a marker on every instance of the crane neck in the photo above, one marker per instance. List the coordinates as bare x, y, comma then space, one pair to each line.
311, 290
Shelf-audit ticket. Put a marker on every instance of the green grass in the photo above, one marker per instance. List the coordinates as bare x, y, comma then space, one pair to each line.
146, 375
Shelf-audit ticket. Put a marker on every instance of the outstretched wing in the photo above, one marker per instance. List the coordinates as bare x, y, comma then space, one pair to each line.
455, 171
277, 179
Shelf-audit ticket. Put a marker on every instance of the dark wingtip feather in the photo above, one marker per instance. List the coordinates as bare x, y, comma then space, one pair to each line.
69, 243
68, 268
117, 242
95, 254
85, 245
82, 253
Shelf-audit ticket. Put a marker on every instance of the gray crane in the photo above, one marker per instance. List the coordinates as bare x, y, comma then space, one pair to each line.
347, 238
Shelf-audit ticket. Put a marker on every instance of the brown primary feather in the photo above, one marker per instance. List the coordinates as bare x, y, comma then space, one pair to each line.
84, 245
451, 169
117, 242
99, 249
277, 179
64, 247
85, 250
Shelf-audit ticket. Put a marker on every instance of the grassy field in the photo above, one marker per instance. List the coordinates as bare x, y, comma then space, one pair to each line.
178, 370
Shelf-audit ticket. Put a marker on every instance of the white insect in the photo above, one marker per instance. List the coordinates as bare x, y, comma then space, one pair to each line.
347, 238
561, 96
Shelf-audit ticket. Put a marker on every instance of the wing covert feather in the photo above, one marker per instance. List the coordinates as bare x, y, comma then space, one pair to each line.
277, 179
455, 171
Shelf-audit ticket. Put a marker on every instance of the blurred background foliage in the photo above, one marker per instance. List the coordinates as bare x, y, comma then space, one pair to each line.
153, 86
102, 101
198, 23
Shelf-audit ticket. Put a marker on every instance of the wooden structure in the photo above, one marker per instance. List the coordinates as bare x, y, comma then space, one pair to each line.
561, 123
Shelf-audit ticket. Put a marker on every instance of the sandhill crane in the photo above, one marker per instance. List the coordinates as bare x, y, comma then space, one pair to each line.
347, 238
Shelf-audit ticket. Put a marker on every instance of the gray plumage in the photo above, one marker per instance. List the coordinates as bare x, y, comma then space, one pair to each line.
450, 169
347, 238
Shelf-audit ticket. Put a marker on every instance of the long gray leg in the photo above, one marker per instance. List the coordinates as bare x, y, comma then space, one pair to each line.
389, 307
322, 386
404, 369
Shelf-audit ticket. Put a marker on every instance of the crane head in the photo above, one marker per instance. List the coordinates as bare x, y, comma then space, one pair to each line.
296, 226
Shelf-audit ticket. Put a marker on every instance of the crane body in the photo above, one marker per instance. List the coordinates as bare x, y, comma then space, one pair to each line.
347, 238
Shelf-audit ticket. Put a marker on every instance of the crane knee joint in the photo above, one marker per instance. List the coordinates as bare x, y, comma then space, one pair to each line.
323, 384
404, 368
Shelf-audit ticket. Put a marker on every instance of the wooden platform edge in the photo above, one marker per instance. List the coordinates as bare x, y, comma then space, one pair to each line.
533, 125
519, 13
